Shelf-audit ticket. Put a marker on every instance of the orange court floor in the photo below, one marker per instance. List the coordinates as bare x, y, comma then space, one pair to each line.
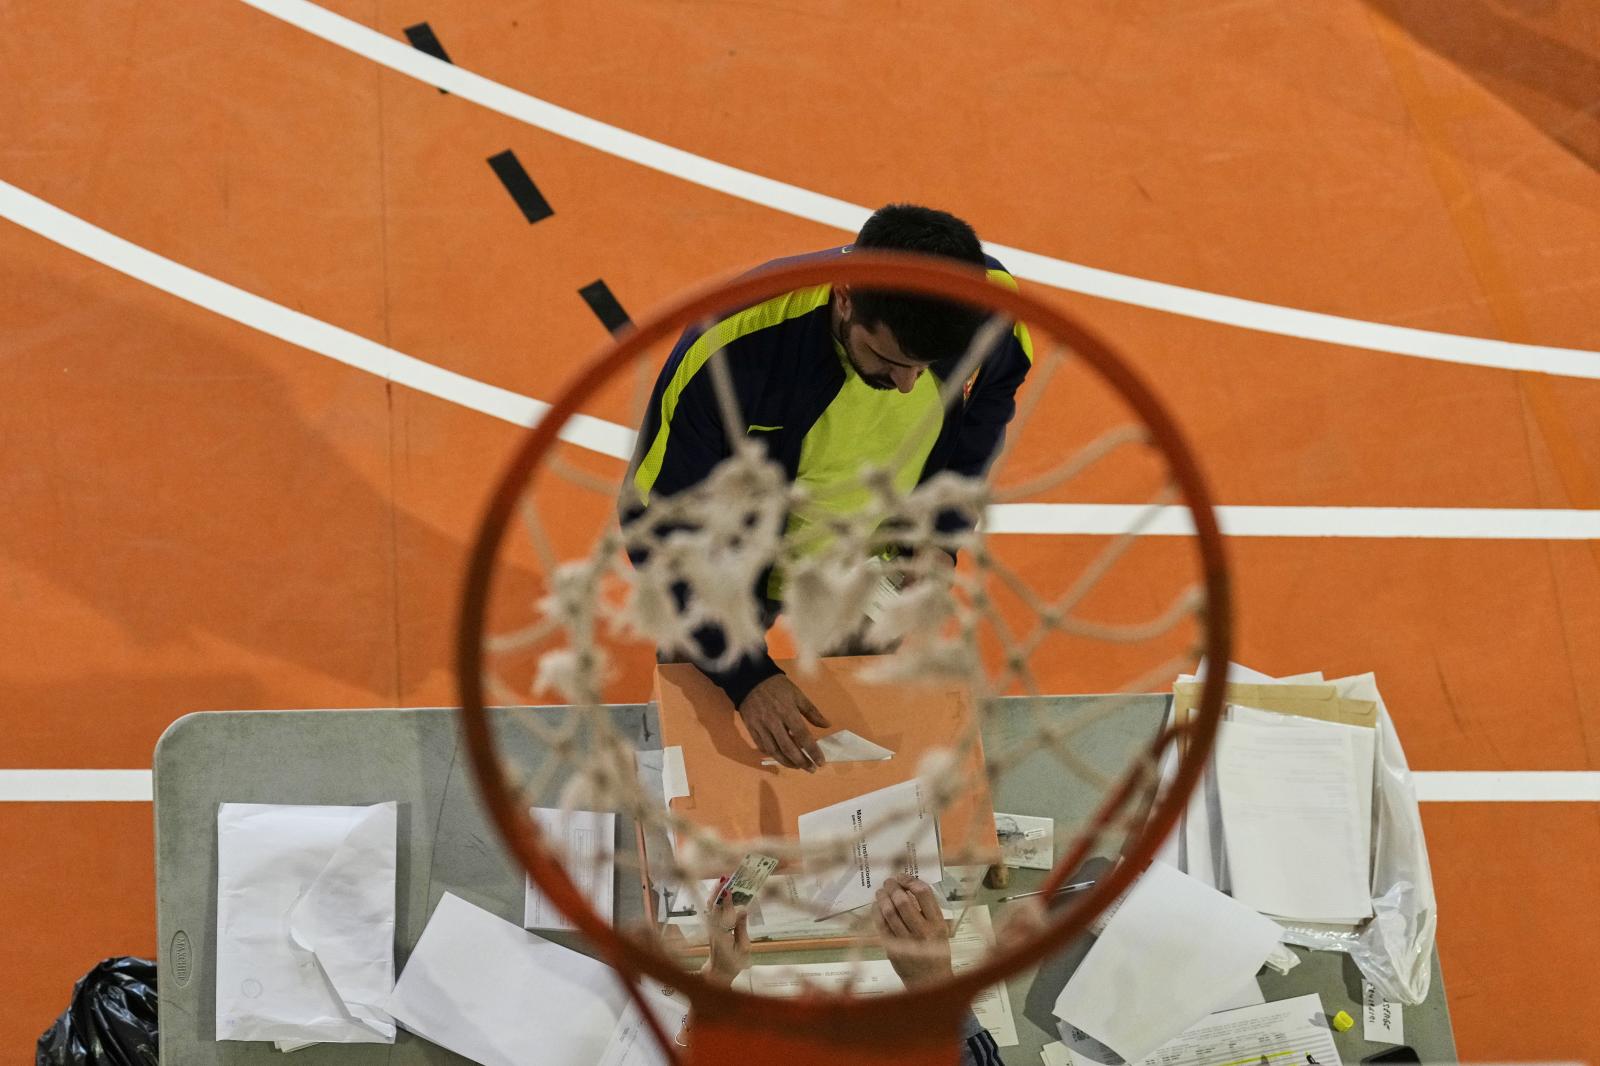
197, 515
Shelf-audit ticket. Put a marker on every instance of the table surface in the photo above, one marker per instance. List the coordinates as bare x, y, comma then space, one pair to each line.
415, 757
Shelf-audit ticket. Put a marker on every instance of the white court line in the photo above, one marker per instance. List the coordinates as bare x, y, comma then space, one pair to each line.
1518, 786
829, 211
1449, 523
301, 330
76, 786
1433, 786
608, 438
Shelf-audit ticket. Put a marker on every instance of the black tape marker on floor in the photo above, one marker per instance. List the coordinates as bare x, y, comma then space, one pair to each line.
520, 186
597, 294
423, 39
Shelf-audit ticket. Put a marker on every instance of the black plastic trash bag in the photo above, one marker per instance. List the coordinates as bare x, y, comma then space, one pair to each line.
112, 1019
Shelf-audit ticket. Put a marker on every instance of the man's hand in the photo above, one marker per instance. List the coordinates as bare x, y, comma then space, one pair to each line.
776, 713
730, 943
915, 935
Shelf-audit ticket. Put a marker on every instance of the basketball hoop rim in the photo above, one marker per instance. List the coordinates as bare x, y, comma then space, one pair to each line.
922, 275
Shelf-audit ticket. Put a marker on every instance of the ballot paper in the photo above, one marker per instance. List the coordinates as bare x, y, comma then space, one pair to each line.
972, 939
631, 1042
305, 922
1296, 805
781, 913
1174, 949
585, 841
1026, 842
1287, 1031
876, 977
1196, 846
1364, 739
846, 746
482, 987
895, 833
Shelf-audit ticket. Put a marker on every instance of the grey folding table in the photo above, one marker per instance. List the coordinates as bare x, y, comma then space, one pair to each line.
416, 757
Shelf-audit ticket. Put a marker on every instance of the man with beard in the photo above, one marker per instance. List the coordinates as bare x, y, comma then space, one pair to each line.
829, 379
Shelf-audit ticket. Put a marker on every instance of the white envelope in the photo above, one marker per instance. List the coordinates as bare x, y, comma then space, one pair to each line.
305, 922
487, 989
1173, 950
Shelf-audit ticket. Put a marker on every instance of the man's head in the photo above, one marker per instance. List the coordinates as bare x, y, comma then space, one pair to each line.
892, 337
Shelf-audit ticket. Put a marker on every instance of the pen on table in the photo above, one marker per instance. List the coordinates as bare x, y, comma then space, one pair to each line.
1064, 888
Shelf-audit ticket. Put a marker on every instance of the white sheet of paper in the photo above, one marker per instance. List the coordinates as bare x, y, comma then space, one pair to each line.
1026, 842
1382, 1021
305, 922
1287, 1031
588, 842
631, 1042
972, 940
1055, 1054
674, 775
846, 746
1246, 995
782, 914
873, 977
895, 833
1196, 844
487, 989
1292, 807
1174, 949
970, 943
1363, 737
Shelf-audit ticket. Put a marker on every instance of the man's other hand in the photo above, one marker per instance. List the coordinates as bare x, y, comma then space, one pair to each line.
776, 713
916, 938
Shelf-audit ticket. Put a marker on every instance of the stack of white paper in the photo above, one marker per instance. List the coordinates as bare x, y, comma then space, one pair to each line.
483, 988
305, 923
1282, 816
1296, 801
1171, 954
894, 832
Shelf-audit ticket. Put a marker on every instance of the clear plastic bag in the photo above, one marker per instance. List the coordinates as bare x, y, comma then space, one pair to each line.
1394, 948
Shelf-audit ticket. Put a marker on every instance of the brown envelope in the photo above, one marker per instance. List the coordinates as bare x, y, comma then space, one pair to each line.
1321, 702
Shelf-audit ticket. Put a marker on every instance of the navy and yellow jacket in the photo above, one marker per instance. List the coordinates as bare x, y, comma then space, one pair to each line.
780, 356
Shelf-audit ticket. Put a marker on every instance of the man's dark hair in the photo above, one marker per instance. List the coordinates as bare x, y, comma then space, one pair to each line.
927, 329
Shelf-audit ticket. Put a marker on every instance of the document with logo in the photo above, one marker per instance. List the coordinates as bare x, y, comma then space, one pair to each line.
893, 832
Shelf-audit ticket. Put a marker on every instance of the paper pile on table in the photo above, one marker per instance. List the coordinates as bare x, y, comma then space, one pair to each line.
1173, 951
1287, 1031
495, 993
305, 923
1282, 817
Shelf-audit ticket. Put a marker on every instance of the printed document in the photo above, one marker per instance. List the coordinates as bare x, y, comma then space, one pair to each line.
1288, 1031
1296, 802
585, 841
973, 937
895, 833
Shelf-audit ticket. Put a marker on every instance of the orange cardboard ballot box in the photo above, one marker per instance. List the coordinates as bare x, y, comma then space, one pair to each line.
732, 792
